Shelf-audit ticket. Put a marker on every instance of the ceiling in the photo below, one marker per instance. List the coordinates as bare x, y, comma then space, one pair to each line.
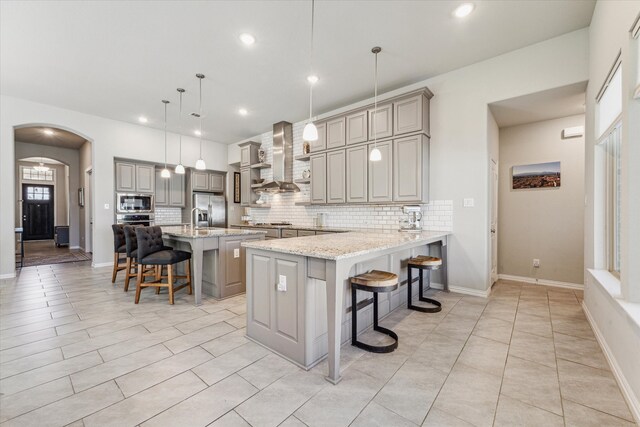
549, 104
44, 160
120, 59
59, 138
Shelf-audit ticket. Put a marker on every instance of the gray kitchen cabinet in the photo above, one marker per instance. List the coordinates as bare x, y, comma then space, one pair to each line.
199, 181
335, 133
162, 189
381, 125
303, 233
411, 169
145, 178
125, 177
216, 182
381, 174
248, 153
289, 233
357, 159
357, 125
319, 179
411, 115
176, 191
320, 143
246, 195
336, 176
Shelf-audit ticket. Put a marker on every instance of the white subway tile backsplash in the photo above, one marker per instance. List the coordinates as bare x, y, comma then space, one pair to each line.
166, 216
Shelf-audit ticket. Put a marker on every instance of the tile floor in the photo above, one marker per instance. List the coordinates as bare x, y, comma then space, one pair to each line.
75, 350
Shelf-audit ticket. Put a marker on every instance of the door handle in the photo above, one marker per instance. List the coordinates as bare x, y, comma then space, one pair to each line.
493, 231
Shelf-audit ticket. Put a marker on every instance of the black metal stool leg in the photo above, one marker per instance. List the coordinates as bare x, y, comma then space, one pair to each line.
354, 318
354, 330
410, 305
438, 306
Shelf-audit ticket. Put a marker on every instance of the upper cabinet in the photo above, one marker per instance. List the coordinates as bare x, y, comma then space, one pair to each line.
357, 159
411, 115
381, 174
411, 169
207, 181
320, 143
335, 133
216, 182
336, 176
248, 153
133, 177
381, 123
319, 179
170, 191
357, 124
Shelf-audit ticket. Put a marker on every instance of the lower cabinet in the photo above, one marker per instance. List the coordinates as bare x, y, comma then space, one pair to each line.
289, 233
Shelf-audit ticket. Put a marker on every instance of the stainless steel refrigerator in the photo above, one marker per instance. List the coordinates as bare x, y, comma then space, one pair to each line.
213, 210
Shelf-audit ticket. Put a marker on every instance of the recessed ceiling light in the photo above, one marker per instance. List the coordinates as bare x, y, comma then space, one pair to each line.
243, 111
247, 39
48, 132
313, 79
142, 119
197, 132
463, 10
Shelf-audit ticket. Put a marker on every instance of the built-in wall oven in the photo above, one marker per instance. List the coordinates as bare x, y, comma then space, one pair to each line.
136, 219
134, 203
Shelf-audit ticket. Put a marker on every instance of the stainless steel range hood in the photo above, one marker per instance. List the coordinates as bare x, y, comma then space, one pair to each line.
282, 160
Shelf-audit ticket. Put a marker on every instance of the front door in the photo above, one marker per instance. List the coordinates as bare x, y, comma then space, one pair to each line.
37, 212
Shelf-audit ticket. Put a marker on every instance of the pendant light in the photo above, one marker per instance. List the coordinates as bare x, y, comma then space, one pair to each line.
310, 132
41, 166
200, 164
375, 155
180, 168
165, 172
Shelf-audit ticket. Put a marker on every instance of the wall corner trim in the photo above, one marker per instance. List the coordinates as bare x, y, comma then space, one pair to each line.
465, 291
627, 391
102, 264
544, 282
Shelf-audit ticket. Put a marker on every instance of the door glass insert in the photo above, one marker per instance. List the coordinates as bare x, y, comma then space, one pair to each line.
38, 193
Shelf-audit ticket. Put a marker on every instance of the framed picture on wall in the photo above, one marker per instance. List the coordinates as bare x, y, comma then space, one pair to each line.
81, 197
537, 175
236, 187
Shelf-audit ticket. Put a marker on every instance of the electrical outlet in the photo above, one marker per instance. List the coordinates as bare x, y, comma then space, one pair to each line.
536, 263
468, 203
236, 253
106, 205
282, 283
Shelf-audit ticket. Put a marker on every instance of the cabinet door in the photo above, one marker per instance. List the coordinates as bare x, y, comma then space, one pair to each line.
245, 187
409, 115
357, 159
357, 127
245, 156
289, 233
200, 181
336, 177
233, 281
381, 123
410, 169
145, 178
321, 143
381, 175
303, 233
177, 196
125, 177
162, 189
319, 179
335, 133
216, 182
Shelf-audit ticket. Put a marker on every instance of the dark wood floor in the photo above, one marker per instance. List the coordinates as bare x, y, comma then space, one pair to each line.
40, 252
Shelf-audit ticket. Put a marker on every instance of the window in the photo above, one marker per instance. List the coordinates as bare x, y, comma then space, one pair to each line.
31, 174
613, 189
609, 105
635, 34
38, 193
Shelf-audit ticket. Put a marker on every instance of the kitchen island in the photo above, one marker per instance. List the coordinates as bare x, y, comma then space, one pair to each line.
217, 257
296, 288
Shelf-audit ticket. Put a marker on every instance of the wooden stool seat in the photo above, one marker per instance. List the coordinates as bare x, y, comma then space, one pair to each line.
425, 261
376, 279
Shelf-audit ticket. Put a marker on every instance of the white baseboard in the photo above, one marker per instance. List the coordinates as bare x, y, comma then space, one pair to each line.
75, 247
8, 275
544, 282
466, 291
101, 264
627, 391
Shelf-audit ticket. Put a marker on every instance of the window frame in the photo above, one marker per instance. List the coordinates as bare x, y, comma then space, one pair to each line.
611, 144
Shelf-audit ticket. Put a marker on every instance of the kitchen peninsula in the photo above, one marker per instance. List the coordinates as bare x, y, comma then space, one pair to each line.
217, 257
296, 288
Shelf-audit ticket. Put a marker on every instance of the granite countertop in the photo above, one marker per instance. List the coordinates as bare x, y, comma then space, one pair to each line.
203, 232
295, 227
345, 245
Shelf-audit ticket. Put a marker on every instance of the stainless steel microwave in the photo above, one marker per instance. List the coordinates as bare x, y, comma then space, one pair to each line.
134, 203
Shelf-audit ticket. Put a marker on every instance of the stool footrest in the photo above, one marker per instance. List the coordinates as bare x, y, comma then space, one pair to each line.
379, 348
437, 308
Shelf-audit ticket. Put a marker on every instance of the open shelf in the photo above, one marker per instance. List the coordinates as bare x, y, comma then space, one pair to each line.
303, 203
302, 181
264, 205
303, 157
261, 166
257, 185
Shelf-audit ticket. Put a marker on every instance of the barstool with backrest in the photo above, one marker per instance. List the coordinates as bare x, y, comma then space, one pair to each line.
131, 269
151, 252
119, 248
374, 281
422, 263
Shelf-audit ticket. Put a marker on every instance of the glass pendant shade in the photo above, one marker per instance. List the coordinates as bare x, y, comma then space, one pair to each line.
165, 173
310, 132
179, 169
375, 155
41, 167
200, 165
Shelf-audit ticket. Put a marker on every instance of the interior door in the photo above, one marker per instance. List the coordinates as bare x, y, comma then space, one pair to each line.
494, 221
37, 211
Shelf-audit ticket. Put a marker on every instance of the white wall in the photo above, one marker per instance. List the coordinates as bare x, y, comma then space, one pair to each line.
542, 223
459, 142
110, 139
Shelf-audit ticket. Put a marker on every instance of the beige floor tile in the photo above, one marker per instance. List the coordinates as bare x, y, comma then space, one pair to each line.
470, 394
38, 326
512, 412
581, 416
152, 374
375, 415
573, 327
225, 343
267, 370
382, 366
238, 322
204, 321
580, 350
456, 326
439, 351
494, 329
30, 362
468, 309
71, 408
200, 336
439, 418
40, 346
229, 363
15, 341
142, 406
532, 383
133, 345
595, 388
484, 354
104, 340
533, 324
206, 406
231, 419
277, 402
34, 398
533, 348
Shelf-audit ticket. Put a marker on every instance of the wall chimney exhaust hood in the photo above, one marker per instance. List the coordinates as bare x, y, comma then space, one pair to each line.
282, 160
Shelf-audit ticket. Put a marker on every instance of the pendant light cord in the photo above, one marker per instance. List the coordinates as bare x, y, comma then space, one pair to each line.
165, 133
313, 8
375, 103
200, 114
180, 126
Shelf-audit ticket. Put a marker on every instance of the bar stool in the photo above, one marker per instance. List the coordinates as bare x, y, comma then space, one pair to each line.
152, 252
374, 281
119, 247
422, 263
